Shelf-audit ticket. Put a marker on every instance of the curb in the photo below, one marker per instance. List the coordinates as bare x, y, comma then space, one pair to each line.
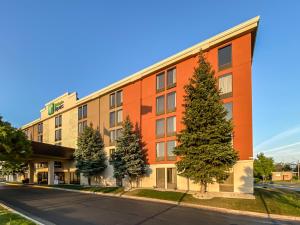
183, 204
20, 214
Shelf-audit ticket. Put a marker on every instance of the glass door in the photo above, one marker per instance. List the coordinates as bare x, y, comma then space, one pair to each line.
171, 178
160, 177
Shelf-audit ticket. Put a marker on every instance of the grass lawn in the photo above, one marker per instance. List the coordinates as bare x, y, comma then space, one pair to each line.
274, 201
113, 190
9, 218
165, 195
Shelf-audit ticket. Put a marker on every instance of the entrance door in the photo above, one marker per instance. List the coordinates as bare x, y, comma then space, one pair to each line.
160, 177
171, 178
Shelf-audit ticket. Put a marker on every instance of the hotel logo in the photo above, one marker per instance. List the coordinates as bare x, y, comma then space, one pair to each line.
54, 107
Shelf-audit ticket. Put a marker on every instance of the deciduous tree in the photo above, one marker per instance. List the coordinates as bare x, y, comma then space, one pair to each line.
263, 166
14, 146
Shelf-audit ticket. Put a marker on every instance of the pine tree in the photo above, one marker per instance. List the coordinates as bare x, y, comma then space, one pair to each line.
205, 144
90, 156
117, 160
129, 158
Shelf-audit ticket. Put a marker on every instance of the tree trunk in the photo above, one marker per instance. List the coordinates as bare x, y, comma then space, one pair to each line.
89, 181
203, 187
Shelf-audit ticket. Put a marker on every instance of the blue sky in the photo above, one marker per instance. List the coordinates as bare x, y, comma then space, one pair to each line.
48, 48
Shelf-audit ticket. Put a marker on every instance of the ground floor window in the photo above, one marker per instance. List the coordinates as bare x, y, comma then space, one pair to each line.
171, 178
42, 177
160, 177
166, 174
74, 178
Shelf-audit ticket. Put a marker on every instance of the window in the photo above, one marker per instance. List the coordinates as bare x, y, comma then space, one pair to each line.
171, 102
160, 82
118, 133
160, 105
171, 126
228, 107
30, 137
74, 178
58, 164
225, 86
112, 119
119, 117
119, 96
160, 151
111, 152
112, 136
26, 133
171, 178
170, 148
160, 128
40, 132
171, 78
112, 101
58, 121
58, 135
40, 128
40, 138
81, 126
224, 57
82, 112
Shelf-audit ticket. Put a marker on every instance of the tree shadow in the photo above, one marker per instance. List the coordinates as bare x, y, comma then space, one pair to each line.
137, 130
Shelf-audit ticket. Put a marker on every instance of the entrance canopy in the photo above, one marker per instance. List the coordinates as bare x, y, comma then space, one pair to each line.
48, 151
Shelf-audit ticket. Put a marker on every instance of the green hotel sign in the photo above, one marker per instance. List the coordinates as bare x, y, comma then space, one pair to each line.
54, 107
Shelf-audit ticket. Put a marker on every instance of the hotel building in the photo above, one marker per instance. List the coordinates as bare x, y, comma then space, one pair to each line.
153, 99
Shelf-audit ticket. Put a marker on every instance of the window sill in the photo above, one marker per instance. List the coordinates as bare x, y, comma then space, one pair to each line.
160, 90
171, 158
225, 66
160, 159
160, 136
171, 134
171, 86
112, 143
226, 95
171, 110
160, 113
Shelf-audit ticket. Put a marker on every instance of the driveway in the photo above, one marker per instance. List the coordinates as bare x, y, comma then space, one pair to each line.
62, 207
290, 186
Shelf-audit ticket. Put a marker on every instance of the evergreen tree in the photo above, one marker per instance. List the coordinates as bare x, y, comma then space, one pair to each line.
90, 156
129, 158
117, 160
205, 143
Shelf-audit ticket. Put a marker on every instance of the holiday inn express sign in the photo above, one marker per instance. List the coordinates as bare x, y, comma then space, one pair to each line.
54, 107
